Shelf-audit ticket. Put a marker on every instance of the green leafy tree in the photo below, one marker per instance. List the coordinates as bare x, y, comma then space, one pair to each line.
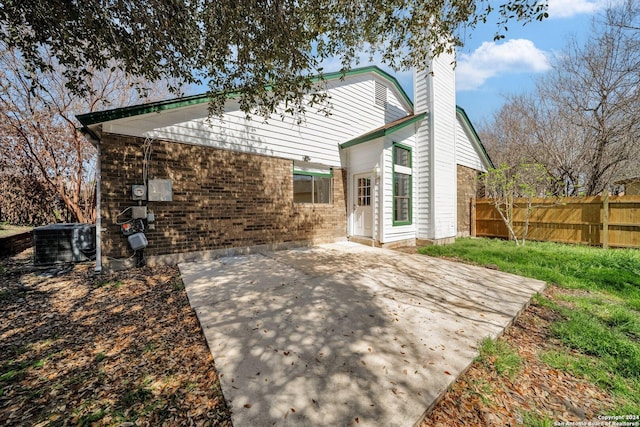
264, 49
532, 181
506, 185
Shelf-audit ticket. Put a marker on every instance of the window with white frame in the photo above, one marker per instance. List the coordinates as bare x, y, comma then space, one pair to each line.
402, 185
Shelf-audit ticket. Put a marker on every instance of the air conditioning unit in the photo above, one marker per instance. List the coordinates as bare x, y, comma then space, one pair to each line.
62, 243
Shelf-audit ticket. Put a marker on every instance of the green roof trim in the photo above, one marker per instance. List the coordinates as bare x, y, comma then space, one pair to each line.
136, 110
370, 69
169, 104
465, 118
387, 129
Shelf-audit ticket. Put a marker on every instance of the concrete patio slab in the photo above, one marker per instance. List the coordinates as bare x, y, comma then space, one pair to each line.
344, 334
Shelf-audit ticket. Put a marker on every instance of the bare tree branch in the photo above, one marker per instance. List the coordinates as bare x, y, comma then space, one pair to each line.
37, 120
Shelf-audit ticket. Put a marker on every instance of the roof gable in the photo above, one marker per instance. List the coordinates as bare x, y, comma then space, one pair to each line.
475, 139
158, 106
387, 129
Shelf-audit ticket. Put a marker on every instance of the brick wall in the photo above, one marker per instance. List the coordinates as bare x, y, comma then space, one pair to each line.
467, 188
221, 199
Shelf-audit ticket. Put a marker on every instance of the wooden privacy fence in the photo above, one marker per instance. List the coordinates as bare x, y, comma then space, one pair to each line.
600, 221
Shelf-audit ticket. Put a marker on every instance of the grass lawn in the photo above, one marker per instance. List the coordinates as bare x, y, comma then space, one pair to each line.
126, 348
598, 311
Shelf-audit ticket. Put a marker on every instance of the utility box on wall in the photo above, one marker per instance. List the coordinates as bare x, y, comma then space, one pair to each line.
160, 190
138, 192
138, 212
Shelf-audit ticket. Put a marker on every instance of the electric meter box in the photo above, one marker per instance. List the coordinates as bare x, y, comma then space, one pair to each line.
160, 190
138, 192
137, 241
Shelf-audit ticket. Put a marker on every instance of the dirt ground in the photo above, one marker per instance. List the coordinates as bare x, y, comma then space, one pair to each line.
118, 349
126, 349
537, 393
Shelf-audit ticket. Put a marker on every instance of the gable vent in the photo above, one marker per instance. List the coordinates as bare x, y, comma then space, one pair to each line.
380, 95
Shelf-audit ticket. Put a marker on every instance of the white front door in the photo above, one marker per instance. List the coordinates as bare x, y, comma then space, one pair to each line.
363, 205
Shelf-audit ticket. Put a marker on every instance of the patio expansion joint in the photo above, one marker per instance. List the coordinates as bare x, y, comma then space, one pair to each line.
365, 348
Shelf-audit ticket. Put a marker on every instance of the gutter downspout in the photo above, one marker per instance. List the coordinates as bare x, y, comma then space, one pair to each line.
98, 268
93, 137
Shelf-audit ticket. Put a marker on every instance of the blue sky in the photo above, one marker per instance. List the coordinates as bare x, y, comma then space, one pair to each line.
487, 71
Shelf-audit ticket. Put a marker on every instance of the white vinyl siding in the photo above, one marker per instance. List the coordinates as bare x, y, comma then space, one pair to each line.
444, 155
317, 136
364, 158
436, 205
390, 232
395, 109
422, 154
467, 154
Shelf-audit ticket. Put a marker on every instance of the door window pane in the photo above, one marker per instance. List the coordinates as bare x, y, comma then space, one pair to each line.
364, 192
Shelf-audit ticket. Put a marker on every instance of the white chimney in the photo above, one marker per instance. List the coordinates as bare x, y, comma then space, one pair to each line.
436, 180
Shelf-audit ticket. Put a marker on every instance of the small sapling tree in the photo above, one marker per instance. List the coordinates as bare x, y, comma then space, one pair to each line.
504, 185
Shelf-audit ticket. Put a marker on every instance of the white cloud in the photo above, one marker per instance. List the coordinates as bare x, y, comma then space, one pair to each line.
491, 60
569, 8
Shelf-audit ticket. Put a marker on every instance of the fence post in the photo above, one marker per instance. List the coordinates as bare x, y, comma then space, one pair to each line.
472, 217
605, 220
